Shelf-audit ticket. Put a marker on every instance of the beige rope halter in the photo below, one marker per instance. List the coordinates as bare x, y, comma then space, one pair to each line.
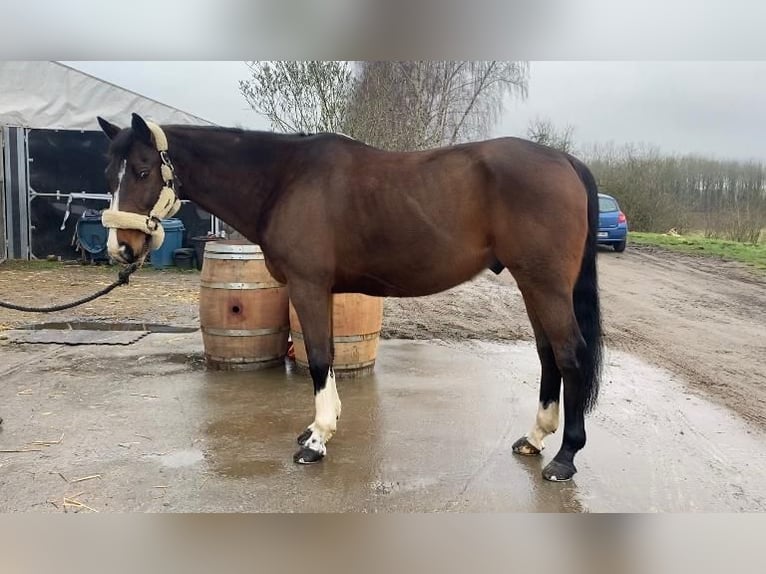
166, 206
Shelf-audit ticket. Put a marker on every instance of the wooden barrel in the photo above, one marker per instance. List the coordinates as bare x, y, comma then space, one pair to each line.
357, 321
242, 308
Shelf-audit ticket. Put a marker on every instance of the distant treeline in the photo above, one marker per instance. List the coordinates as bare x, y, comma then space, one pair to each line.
724, 199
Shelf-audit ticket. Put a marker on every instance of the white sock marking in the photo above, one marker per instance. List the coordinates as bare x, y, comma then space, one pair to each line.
546, 422
327, 404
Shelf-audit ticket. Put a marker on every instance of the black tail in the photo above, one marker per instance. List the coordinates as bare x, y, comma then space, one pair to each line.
586, 300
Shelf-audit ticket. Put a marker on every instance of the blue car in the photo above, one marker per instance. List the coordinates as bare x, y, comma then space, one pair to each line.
612, 223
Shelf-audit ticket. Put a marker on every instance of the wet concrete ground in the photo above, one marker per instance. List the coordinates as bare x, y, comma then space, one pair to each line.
430, 431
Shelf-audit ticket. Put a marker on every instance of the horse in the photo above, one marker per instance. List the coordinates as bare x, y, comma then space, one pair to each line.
334, 215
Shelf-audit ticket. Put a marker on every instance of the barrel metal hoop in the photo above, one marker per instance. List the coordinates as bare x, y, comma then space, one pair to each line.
234, 256
240, 286
344, 367
222, 247
242, 360
344, 339
243, 332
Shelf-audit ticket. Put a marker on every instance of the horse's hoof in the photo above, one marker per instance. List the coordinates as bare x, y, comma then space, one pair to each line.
307, 456
304, 437
558, 471
523, 446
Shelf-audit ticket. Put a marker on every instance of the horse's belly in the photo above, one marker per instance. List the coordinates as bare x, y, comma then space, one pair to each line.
414, 280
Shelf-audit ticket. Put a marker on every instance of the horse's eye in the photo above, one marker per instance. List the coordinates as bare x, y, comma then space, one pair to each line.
143, 174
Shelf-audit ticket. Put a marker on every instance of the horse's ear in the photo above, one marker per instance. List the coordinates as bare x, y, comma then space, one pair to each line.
110, 130
141, 130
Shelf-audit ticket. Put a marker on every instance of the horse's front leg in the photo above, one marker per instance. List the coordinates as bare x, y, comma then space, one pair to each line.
314, 307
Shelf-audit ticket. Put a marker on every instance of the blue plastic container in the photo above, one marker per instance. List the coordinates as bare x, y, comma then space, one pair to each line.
92, 236
174, 239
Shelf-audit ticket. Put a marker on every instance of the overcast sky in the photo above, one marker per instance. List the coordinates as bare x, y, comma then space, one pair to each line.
710, 108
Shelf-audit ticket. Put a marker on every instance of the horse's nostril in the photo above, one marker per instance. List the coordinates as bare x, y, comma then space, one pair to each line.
126, 252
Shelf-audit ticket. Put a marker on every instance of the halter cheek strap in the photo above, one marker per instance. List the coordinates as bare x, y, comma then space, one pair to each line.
166, 206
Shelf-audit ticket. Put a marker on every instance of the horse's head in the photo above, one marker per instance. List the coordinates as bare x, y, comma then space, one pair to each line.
141, 181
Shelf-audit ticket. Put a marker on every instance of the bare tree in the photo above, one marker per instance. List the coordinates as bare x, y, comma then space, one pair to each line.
724, 199
393, 105
544, 132
416, 105
309, 96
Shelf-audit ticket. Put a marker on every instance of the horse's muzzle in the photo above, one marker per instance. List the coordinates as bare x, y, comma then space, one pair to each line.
124, 254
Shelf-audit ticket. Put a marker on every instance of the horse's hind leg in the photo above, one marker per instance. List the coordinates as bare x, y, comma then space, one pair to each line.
551, 303
547, 419
314, 307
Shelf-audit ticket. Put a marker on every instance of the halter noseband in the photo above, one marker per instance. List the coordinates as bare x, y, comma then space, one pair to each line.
167, 203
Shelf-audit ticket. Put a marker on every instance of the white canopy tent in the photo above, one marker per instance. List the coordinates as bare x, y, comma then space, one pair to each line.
40, 97
49, 95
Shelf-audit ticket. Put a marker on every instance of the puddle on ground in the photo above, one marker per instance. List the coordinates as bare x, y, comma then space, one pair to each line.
252, 468
432, 429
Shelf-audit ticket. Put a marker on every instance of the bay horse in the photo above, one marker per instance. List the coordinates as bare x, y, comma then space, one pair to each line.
333, 215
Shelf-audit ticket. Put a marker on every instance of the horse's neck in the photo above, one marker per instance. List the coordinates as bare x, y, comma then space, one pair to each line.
228, 175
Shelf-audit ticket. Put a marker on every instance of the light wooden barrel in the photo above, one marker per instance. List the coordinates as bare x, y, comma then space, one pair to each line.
242, 308
357, 321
